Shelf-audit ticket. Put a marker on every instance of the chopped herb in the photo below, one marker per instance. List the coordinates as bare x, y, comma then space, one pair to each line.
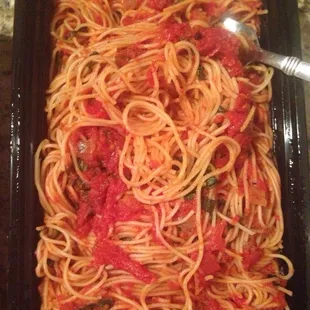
201, 73
71, 34
208, 205
81, 185
93, 53
221, 110
209, 169
82, 165
190, 196
211, 181
125, 239
50, 262
198, 35
53, 233
90, 65
106, 303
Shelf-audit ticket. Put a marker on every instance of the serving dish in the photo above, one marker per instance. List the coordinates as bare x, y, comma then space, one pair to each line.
280, 33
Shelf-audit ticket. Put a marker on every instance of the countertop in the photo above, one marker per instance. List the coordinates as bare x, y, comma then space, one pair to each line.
5, 89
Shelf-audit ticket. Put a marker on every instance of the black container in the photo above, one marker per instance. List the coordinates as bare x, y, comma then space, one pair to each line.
280, 33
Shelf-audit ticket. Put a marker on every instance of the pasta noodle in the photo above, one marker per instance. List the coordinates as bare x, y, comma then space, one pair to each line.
157, 177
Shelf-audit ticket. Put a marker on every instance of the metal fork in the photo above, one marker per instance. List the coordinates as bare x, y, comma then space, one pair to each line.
292, 66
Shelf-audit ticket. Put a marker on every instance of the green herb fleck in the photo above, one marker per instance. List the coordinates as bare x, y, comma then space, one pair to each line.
211, 181
82, 165
208, 205
90, 65
190, 196
106, 303
93, 53
201, 73
71, 34
53, 233
221, 110
50, 262
82, 186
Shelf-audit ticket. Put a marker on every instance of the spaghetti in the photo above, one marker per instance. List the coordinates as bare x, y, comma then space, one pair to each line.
157, 178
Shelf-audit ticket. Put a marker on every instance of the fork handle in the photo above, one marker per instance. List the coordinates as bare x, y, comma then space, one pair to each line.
292, 66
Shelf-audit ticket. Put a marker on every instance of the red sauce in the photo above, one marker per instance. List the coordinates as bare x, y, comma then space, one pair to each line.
204, 302
219, 42
95, 108
69, 306
100, 198
244, 88
215, 241
209, 264
218, 119
123, 56
213, 9
97, 194
154, 164
186, 206
221, 156
126, 209
280, 299
149, 76
236, 119
159, 5
232, 64
106, 252
251, 256
162, 84
174, 32
98, 146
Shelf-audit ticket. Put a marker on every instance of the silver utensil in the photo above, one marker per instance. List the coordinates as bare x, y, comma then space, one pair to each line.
289, 65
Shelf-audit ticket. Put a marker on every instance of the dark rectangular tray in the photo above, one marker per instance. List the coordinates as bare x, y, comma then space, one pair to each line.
280, 33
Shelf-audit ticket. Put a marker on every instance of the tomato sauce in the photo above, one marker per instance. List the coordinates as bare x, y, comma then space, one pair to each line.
174, 32
209, 264
221, 43
251, 256
95, 108
159, 5
124, 55
204, 302
215, 241
98, 147
221, 156
213, 9
106, 252
239, 301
